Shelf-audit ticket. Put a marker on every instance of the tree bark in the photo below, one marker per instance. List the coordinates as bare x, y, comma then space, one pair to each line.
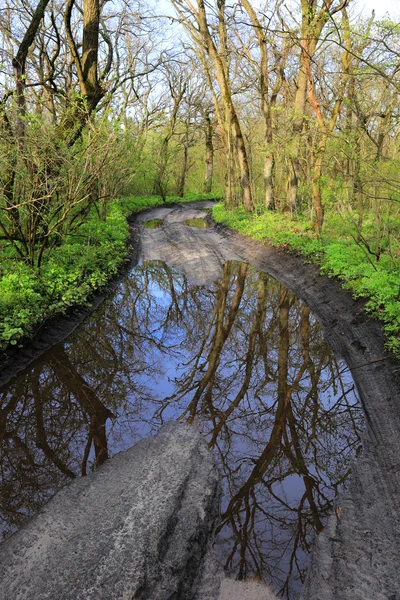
19, 64
266, 105
86, 65
312, 24
232, 122
208, 180
182, 179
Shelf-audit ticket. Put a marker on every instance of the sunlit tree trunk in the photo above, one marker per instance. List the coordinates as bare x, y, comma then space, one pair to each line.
202, 37
266, 106
313, 20
208, 179
297, 127
326, 127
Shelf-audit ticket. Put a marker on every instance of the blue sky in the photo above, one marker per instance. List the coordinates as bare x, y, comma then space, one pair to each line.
392, 7
382, 7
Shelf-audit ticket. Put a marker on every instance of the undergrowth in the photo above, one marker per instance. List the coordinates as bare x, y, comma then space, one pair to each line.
70, 273
338, 255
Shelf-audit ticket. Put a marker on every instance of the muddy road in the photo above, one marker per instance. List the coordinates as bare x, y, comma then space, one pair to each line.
357, 554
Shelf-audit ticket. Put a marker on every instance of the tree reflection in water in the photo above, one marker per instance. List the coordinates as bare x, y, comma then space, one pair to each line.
243, 355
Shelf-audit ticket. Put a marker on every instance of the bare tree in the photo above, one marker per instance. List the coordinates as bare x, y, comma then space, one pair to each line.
197, 24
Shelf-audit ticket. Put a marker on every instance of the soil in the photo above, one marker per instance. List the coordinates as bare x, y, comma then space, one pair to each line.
356, 557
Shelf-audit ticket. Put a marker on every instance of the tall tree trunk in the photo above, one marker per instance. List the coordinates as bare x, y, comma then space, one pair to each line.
316, 185
230, 187
19, 64
269, 187
359, 199
221, 69
326, 128
90, 51
208, 180
182, 178
87, 66
269, 192
243, 162
312, 23
297, 127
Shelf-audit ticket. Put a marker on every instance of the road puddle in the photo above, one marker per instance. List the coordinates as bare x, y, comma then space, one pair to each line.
243, 356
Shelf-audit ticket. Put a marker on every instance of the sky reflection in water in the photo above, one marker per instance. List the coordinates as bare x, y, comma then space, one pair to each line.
244, 356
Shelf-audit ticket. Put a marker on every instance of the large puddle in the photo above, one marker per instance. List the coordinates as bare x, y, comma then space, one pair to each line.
246, 358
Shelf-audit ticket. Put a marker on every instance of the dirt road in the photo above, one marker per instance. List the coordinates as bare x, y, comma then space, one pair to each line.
357, 556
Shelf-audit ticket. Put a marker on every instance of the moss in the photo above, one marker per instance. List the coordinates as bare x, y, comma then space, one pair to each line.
198, 223
152, 223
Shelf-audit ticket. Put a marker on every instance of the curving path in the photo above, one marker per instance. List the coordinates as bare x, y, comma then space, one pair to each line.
357, 556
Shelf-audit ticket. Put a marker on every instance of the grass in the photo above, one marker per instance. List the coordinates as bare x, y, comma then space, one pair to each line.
198, 223
152, 223
338, 255
70, 273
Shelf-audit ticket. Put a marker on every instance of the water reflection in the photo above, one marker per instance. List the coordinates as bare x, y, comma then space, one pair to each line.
245, 356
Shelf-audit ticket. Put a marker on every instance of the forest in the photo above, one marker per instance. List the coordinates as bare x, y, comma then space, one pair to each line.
285, 112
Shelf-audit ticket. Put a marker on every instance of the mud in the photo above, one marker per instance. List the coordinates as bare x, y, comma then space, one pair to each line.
357, 555
137, 528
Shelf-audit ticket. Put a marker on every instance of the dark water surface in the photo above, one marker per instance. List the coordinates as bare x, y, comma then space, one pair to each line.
244, 356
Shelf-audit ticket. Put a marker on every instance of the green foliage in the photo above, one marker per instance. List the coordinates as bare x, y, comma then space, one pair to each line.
198, 223
338, 255
83, 263
152, 223
53, 188
274, 228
